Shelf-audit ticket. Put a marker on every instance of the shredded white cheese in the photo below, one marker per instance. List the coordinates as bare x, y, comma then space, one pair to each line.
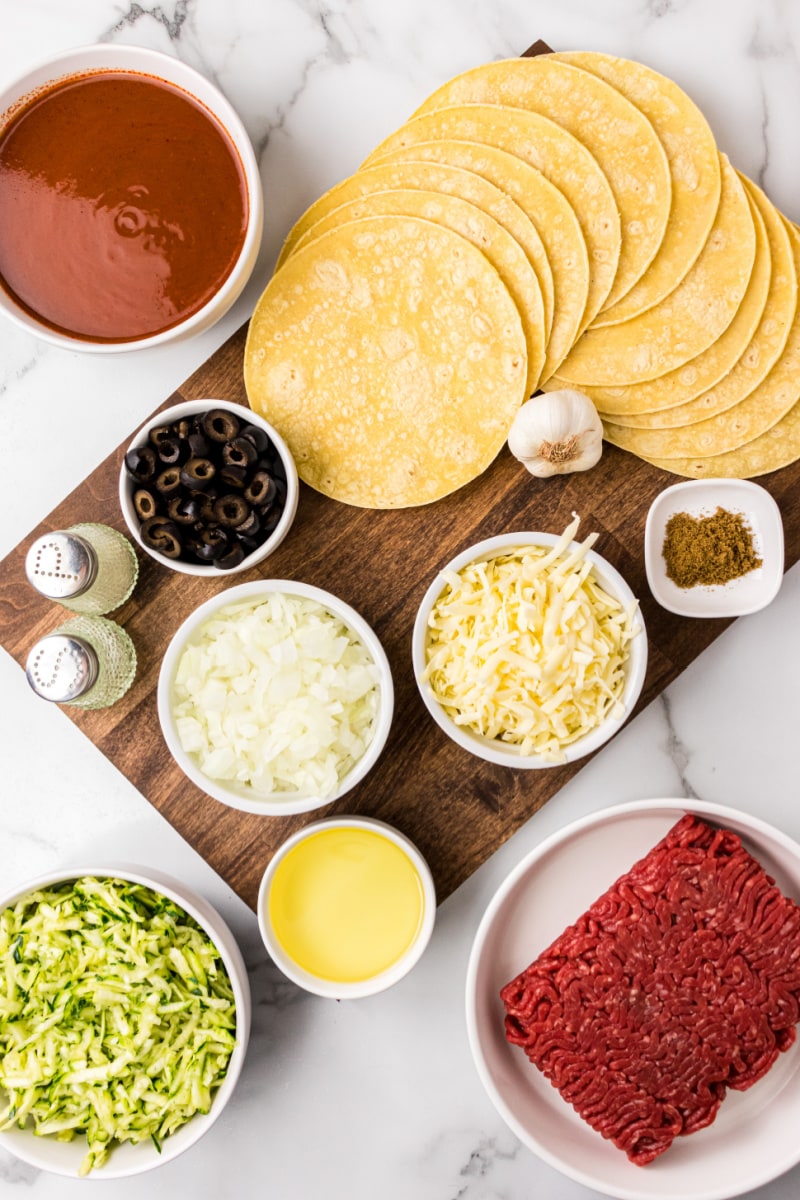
528, 648
278, 694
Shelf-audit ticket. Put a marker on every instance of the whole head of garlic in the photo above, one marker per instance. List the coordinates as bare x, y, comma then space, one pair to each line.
555, 433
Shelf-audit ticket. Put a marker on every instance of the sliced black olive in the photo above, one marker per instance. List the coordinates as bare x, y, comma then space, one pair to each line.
258, 436
145, 503
142, 463
159, 434
197, 473
162, 534
184, 509
211, 543
240, 452
172, 450
233, 476
169, 481
249, 544
231, 557
231, 510
183, 428
207, 501
261, 489
270, 521
202, 552
250, 526
220, 425
199, 445
280, 492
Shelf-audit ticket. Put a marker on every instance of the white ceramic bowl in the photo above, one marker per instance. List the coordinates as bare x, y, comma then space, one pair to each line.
754, 1136
377, 983
64, 1158
701, 498
491, 749
148, 62
127, 486
240, 795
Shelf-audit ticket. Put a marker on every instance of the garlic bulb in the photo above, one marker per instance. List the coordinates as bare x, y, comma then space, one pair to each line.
556, 433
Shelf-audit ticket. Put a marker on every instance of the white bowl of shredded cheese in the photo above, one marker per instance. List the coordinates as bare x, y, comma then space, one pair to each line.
529, 650
275, 697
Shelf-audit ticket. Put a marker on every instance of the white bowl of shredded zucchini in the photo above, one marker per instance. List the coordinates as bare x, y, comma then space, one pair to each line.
124, 1020
529, 649
275, 697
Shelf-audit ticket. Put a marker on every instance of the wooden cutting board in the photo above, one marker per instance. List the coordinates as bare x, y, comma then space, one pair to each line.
456, 808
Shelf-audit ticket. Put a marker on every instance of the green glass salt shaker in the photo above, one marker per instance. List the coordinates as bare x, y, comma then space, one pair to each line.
89, 662
89, 568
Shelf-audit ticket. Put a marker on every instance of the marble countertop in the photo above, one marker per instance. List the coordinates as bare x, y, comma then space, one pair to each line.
379, 1096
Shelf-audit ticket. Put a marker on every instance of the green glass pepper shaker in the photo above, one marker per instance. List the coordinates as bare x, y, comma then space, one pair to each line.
88, 568
89, 662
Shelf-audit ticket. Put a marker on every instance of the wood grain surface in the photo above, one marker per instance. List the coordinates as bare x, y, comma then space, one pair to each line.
456, 808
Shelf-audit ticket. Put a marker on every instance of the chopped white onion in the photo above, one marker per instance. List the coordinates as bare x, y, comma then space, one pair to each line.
277, 694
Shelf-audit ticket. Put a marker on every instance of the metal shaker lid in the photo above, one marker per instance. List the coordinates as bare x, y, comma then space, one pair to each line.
60, 565
61, 667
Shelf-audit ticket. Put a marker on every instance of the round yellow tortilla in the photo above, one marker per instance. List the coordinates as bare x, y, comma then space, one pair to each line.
693, 316
505, 255
694, 173
437, 177
753, 362
651, 404
618, 135
549, 211
557, 154
757, 435
391, 357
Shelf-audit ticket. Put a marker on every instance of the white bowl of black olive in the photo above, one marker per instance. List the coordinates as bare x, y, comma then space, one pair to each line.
208, 487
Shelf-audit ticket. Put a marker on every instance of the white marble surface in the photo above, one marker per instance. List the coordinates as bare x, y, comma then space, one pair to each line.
376, 1097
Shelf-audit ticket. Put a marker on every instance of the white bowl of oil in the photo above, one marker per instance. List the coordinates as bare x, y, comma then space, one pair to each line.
346, 907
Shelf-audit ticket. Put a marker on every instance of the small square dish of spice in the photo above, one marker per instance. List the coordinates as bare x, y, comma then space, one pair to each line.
714, 548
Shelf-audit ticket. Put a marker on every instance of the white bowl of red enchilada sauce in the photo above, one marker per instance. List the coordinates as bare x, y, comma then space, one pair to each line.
130, 200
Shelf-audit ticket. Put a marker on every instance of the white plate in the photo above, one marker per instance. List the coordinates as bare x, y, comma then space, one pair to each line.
754, 1137
701, 498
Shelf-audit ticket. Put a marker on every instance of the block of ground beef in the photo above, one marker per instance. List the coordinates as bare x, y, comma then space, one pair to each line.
681, 981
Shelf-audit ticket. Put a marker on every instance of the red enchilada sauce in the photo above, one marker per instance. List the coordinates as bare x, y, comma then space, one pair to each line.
123, 206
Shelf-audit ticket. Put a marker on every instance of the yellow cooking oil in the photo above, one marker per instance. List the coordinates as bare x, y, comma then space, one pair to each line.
346, 903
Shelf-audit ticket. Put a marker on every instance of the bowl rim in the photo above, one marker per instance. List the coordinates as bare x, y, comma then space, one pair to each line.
486, 748
160, 65
188, 408
316, 984
689, 602
217, 928
267, 806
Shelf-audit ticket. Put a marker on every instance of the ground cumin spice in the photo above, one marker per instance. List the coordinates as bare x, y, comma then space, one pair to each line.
707, 550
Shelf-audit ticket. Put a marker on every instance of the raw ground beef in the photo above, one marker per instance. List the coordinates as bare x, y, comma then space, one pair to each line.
681, 981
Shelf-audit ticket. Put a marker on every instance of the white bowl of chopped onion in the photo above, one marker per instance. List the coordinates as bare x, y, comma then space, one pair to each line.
529, 650
275, 697
127, 996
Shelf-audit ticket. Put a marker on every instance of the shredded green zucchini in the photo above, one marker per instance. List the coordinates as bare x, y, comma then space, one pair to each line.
117, 1016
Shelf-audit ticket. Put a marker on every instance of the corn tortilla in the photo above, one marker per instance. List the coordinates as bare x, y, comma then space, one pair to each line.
550, 213
694, 174
559, 156
391, 357
675, 392
437, 177
739, 427
755, 360
616, 132
692, 317
505, 255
